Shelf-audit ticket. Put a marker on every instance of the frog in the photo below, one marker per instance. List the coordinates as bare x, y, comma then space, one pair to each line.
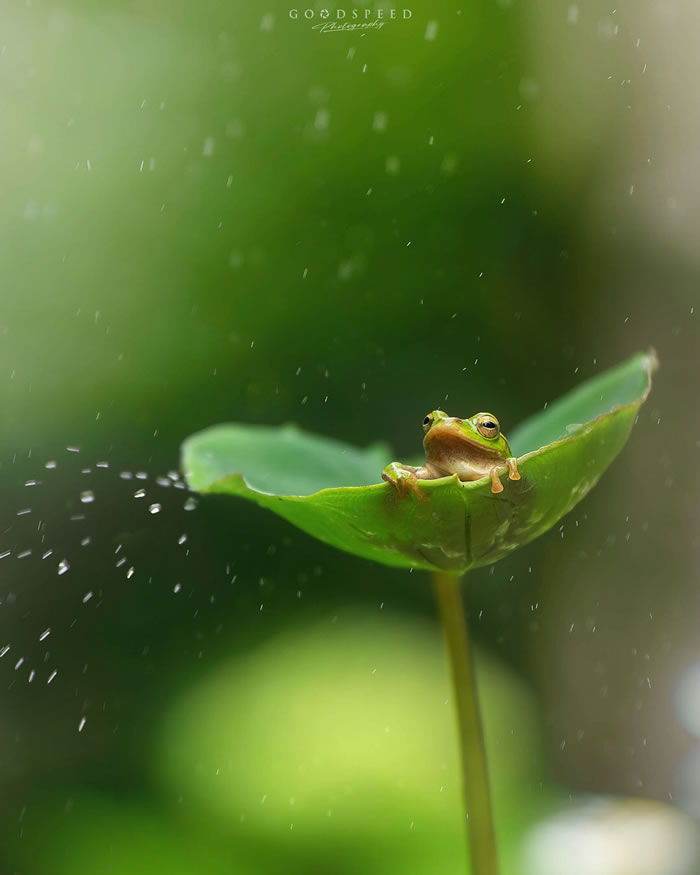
468, 448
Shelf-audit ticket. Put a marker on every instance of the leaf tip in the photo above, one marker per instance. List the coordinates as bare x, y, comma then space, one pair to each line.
651, 361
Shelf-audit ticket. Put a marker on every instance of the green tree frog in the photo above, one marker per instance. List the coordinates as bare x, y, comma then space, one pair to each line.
470, 448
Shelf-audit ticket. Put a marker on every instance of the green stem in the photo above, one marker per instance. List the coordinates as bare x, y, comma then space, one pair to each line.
475, 784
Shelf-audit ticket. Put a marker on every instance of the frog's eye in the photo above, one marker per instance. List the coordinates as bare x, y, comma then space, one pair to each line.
488, 426
428, 421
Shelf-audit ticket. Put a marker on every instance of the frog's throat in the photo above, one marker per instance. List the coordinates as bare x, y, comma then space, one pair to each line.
445, 433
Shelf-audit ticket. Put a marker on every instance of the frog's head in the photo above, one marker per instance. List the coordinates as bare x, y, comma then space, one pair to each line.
480, 434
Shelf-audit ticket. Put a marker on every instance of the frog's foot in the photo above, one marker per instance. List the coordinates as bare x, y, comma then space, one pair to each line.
513, 472
496, 485
404, 479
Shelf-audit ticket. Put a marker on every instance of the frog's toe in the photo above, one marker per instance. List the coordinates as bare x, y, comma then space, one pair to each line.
513, 472
413, 487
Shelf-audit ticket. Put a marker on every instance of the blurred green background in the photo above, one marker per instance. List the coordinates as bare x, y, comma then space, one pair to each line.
212, 211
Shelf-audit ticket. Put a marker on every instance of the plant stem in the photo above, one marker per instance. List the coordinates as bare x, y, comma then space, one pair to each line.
475, 784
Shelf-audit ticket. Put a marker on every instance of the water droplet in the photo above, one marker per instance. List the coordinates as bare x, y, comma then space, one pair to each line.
393, 165
322, 119
87, 496
154, 508
379, 122
63, 566
431, 30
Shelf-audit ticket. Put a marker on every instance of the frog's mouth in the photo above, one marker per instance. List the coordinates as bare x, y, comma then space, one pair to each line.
454, 440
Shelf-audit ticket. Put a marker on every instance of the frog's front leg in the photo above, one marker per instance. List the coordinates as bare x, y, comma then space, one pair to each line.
405, 479
496, 485
513, 474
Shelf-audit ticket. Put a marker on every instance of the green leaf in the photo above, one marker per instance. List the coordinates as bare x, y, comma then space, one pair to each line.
321, 485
